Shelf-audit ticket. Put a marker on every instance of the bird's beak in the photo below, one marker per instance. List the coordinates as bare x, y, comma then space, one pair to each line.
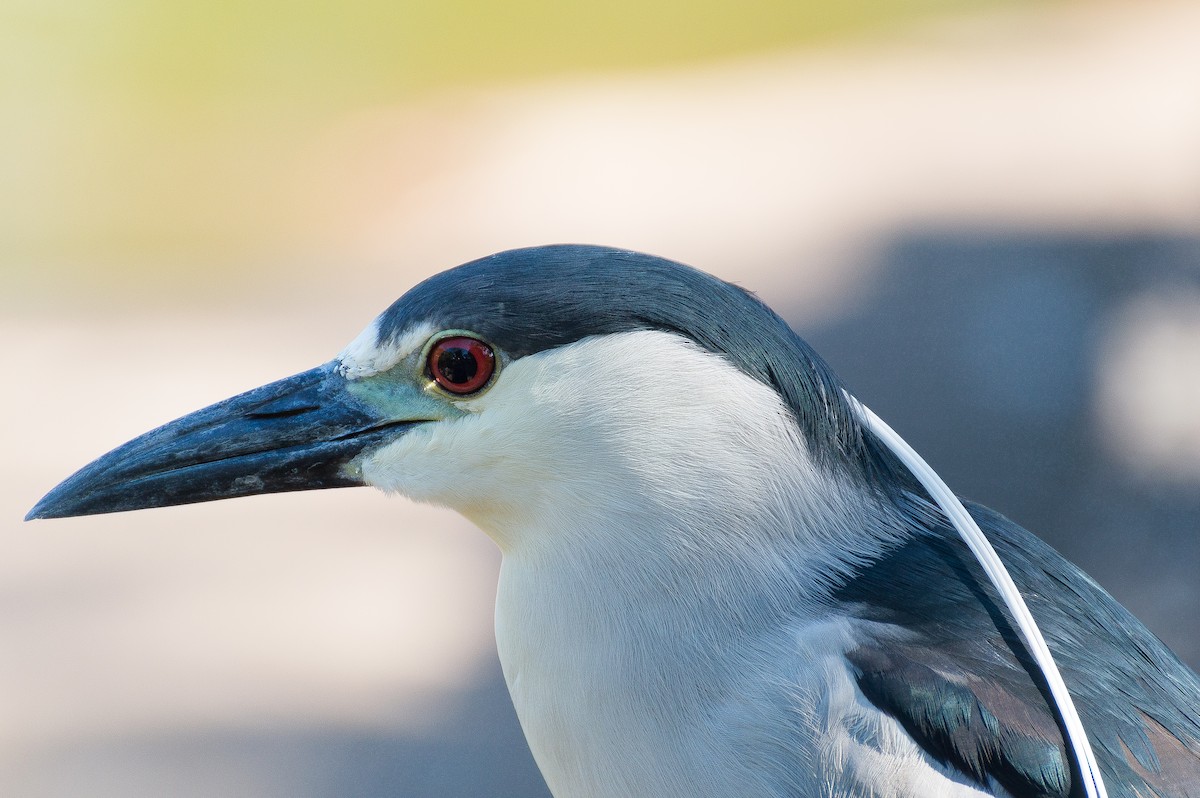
300, 433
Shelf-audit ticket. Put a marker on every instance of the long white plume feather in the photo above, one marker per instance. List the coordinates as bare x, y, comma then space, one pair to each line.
983, 551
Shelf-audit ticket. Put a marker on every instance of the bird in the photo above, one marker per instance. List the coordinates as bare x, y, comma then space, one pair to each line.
717, 579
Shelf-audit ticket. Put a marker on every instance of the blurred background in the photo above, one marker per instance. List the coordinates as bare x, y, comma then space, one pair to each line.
986, 215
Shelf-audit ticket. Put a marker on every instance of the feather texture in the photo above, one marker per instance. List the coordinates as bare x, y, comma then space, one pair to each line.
951, 669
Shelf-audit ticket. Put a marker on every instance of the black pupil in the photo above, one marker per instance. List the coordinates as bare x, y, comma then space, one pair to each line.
457, 365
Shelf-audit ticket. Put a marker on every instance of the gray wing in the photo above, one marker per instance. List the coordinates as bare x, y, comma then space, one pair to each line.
960, 682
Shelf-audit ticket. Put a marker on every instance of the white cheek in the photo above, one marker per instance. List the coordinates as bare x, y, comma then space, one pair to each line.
498, 458
415, 465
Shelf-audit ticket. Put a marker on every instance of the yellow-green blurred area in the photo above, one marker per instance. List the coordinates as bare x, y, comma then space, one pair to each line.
189, 52
141, 138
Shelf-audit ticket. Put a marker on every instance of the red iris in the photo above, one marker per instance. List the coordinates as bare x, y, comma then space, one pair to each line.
461, 365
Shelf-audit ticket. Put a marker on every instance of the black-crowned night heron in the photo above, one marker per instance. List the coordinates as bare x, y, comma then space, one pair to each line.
718, 578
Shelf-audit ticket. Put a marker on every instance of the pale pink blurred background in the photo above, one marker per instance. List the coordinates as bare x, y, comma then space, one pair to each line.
988, 222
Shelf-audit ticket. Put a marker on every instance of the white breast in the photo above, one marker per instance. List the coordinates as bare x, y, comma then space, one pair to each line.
780, 716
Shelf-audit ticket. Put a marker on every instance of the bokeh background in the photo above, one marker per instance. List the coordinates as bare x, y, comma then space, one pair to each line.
985, 214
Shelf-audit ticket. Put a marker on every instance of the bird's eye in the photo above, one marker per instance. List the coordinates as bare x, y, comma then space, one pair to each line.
461, 365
